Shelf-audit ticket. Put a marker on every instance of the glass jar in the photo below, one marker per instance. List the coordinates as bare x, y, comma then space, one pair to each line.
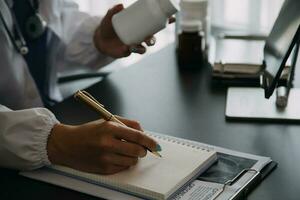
197, 10
191, 45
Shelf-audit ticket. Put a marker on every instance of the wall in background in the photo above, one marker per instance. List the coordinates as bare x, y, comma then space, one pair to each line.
245, 14
237, 13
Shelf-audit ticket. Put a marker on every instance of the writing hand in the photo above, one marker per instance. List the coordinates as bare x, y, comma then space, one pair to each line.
99, 147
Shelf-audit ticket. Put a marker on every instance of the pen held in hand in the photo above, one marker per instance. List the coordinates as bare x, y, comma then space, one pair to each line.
88, 99
115, 119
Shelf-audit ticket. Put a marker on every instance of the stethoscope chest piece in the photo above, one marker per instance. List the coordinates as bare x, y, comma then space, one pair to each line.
35, 26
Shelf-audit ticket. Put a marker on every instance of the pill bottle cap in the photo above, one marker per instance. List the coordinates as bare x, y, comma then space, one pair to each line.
191, 26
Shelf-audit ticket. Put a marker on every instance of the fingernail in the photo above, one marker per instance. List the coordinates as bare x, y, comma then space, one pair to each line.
158, 148
133, 50
152, 41
137, 50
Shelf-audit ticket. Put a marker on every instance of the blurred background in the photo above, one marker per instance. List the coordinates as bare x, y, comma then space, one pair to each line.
254, 16
227, 15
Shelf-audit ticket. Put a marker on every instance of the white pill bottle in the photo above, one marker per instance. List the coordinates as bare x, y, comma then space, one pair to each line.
143, 19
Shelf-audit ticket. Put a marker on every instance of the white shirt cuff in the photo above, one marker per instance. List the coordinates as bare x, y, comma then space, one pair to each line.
82, 50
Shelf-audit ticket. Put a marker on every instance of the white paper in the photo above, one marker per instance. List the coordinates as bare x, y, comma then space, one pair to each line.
200, 190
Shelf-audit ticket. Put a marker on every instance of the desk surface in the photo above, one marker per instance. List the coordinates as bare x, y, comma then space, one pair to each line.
182, 104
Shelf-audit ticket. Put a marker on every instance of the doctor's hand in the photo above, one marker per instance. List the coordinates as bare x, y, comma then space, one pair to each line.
98, 147
107, 41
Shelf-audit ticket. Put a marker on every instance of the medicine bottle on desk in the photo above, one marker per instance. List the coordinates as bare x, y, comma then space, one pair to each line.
191, 45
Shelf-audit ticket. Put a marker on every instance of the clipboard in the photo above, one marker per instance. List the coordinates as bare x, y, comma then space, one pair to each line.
102, 192
255, 181
214, 175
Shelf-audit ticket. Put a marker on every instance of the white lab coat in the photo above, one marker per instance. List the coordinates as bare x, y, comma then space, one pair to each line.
24, 128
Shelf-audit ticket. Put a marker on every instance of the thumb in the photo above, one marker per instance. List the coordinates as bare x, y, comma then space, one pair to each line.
116, 9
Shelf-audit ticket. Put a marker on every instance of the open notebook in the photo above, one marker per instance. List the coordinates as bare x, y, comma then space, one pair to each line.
153, 177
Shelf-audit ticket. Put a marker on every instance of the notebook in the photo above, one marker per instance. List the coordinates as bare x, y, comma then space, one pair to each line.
154, 177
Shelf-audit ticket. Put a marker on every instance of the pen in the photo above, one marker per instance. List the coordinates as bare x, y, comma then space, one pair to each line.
88, 99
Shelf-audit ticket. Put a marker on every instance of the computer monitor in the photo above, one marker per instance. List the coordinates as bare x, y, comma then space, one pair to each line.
283, 39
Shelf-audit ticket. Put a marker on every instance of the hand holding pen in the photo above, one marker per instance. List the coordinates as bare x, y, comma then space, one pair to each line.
94, 104
103, 147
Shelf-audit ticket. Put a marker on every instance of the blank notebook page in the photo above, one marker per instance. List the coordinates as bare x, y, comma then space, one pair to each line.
154, 177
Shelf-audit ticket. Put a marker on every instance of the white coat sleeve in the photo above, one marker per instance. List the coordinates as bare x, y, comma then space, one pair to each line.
23, 137
78, 30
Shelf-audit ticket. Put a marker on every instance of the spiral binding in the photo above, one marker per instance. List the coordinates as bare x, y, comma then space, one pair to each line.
183, 142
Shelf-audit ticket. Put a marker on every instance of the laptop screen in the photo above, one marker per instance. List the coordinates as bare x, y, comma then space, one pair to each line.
280, 43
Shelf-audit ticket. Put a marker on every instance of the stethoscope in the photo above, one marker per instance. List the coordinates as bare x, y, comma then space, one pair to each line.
35, 26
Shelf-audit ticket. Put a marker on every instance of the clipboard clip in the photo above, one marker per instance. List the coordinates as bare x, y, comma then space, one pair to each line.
235, 179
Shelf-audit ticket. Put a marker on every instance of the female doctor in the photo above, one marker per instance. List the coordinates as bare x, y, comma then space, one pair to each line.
39, 38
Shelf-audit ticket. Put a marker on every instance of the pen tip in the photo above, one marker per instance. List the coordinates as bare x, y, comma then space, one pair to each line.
157, 154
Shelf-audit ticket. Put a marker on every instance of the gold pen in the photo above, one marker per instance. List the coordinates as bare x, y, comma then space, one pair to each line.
88, 99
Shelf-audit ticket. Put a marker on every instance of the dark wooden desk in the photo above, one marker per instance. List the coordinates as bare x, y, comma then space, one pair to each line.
179, 104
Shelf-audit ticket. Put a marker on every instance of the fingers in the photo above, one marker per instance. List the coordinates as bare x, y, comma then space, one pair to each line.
119, 160
128, 149
134, 136
139, 49
150, 41
114, 10
131, 123
125, 51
